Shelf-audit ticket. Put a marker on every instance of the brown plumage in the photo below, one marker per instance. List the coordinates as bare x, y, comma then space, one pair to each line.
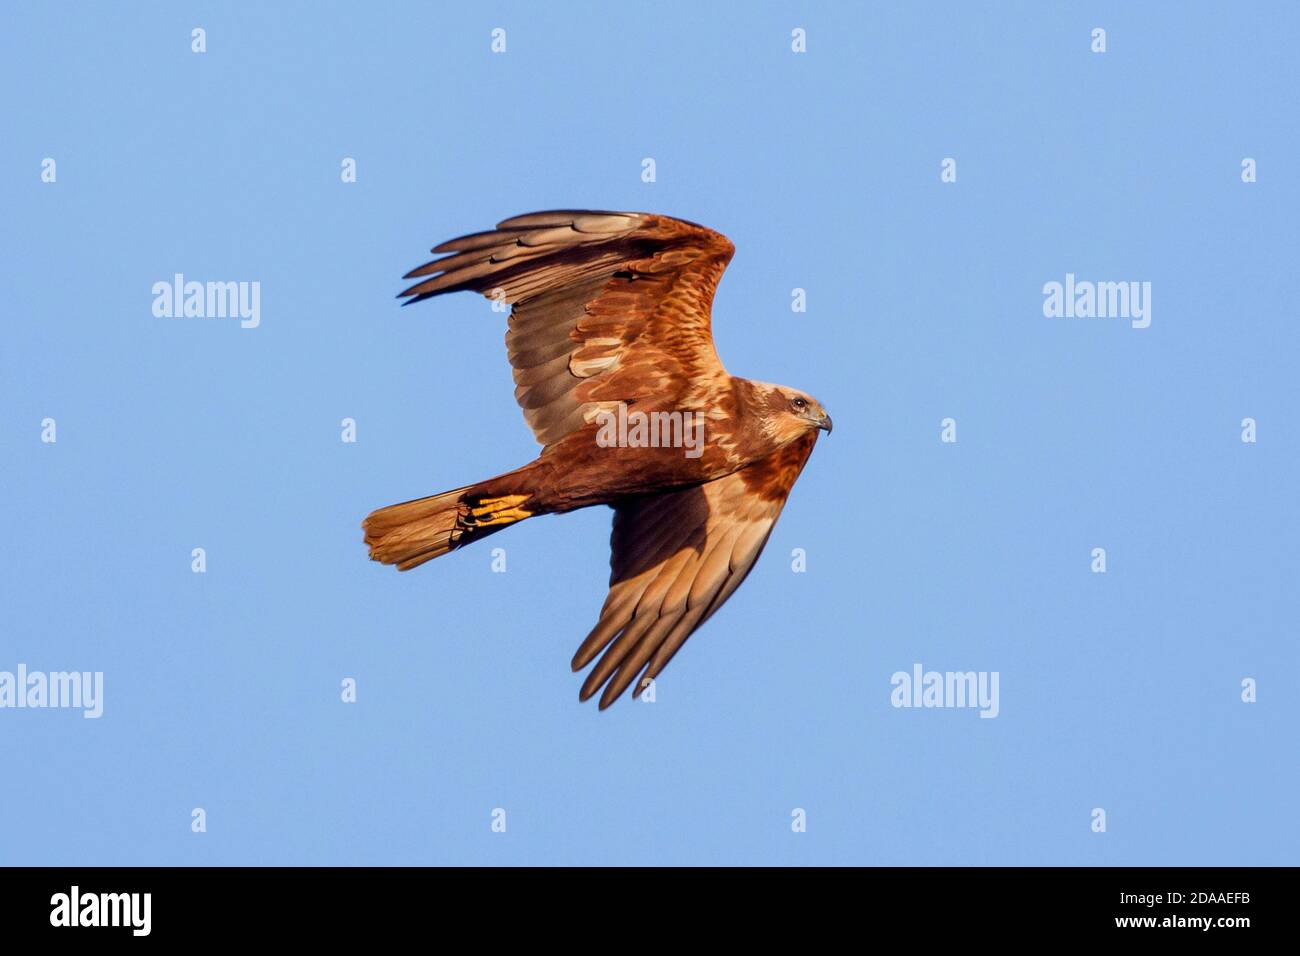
610, 317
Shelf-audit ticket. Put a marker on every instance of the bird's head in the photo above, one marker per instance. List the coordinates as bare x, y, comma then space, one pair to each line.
789, 413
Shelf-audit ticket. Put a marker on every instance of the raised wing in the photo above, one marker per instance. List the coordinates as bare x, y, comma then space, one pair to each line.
609, 307
675, 558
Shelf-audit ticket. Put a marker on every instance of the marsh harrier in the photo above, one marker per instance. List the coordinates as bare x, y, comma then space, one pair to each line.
615, 371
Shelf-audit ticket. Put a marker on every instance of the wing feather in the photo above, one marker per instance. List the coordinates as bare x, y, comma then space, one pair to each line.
675, 558
607, 307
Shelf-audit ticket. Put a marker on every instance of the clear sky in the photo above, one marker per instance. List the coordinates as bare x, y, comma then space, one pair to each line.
1119, 691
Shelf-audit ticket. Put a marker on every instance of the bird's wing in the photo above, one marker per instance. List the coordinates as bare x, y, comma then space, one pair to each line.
609, 307
675, 558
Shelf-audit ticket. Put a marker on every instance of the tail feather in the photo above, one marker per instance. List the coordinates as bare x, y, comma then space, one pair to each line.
413, 532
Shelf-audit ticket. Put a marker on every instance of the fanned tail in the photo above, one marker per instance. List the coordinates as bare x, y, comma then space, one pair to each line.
413, 532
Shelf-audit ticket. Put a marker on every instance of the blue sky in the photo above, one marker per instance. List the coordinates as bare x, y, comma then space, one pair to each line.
1120, 691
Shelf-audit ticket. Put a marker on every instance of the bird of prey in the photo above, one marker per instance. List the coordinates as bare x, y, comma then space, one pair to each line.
610, 319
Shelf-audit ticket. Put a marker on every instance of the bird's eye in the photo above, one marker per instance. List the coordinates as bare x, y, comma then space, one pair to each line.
799, 404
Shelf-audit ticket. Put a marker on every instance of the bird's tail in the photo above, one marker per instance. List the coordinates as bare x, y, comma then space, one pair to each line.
413, 532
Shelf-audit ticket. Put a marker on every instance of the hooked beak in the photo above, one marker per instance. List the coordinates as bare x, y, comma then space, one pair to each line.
824, 423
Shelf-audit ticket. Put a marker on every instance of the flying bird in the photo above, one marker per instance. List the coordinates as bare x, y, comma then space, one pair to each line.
610, 320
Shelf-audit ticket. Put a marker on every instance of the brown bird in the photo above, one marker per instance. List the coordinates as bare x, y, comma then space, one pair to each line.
615, 370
